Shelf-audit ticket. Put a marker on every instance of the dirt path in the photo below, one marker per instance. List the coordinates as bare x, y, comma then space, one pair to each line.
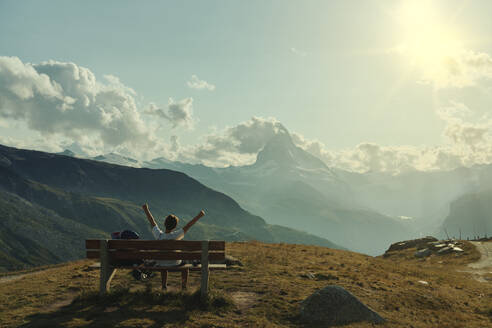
244, 300
482, 267
14, 277
485, 249
61, 302
18, 276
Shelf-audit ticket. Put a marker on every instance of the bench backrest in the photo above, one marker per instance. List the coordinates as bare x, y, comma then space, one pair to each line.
156, 249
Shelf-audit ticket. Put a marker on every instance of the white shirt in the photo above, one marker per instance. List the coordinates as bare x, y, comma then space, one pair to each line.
173, 235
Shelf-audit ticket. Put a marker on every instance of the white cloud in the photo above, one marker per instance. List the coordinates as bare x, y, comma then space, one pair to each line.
177, 113
462, 132
64, 101
196, 83
69, 107
43, 144
237, 145
463, 69
314, 147
466, 143
375, 158
245, 138
371, 157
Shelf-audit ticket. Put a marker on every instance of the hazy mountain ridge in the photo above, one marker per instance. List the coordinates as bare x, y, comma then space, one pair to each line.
118, 159
470, 216
95, 198
288, 186
424, 196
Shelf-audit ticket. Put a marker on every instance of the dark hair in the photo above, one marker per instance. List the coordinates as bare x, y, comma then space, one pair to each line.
171, 222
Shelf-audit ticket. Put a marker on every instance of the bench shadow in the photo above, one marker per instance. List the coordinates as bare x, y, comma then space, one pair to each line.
124, 308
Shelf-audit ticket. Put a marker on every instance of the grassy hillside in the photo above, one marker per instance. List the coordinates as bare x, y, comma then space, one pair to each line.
265, 292
32, 235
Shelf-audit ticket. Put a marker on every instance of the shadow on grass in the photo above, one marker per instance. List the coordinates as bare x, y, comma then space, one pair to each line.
132, 309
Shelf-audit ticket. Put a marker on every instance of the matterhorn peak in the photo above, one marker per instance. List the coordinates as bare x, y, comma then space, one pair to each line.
282, 151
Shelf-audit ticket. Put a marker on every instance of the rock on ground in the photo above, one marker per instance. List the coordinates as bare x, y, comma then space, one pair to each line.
423, 253
418, 243
333, 305
230, 260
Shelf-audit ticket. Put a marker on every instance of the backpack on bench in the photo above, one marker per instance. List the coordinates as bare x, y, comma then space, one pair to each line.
129, 234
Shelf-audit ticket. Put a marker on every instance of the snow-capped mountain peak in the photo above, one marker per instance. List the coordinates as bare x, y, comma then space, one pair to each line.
118, 159
282, 151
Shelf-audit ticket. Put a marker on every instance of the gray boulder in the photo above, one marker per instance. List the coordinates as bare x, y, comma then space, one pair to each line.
445, 250
230, 260
333, 306
308, 275
417, 243
423, 253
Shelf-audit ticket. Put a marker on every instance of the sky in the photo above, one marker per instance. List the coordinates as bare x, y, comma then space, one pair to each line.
364, 85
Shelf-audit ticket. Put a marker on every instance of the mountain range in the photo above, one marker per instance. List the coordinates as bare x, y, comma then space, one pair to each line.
364, 212
50, 203
470, 216
289, 186
361, 211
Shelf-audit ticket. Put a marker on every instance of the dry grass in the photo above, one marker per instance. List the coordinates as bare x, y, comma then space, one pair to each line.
267, 292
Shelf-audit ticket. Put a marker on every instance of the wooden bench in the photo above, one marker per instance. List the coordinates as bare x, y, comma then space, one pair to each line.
114, 253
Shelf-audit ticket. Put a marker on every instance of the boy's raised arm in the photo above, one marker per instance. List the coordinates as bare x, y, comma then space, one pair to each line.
192, 222
149, 215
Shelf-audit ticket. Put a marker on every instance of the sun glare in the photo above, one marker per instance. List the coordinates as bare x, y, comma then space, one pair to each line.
427, 41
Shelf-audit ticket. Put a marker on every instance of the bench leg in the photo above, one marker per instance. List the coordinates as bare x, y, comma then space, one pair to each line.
164, 279
107, 271
205, 271
184, 278
106, 276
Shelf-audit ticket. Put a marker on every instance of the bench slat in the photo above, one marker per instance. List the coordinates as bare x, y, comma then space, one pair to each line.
149, 255
92, 244
183, 245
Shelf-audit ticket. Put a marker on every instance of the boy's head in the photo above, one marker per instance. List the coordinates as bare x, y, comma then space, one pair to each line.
171, 222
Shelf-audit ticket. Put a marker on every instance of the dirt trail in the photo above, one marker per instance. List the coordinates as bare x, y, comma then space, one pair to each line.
19, 276
483, 266
61, 302
485, 249
244, 300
